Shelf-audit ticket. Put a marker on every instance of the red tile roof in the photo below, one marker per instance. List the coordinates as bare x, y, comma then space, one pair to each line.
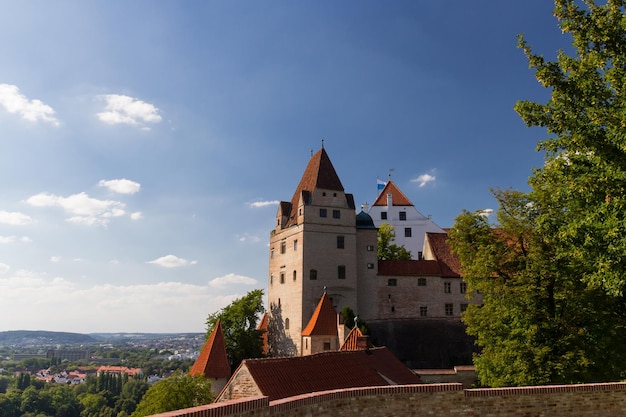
448, 261
289, 376
324, 319
356, 341
398, 197
319, 173
213, 361
409, 268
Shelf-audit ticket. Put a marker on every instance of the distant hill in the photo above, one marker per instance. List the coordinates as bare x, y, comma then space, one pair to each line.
42, 337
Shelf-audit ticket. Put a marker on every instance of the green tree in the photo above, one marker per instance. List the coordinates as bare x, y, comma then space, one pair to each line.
350, 318
239, 322
174, 393
540, 323
582, 185
387, 250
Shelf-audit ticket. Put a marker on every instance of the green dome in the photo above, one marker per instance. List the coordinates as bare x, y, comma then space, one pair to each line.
364, 221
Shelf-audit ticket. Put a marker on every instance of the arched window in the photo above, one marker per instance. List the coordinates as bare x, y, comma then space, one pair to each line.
286, 324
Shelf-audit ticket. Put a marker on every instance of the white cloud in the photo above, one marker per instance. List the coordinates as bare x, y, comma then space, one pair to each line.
121, 186
84, 209
121, 109
424, 179
15, 218
258, 204
55, 259
14, 239
231, 279
160, 307
4, 268
136, 215
249, 238
171, 261
485, 212
32, 110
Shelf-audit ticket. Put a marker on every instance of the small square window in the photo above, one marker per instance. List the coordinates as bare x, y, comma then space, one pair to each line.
423, 311
326, 345
370, 248
370, 266
421, 282
340, 242
336, 214
447, 287
403, 215
392, 282
341, 272
323, 213
383, 215
449, 309
407, 232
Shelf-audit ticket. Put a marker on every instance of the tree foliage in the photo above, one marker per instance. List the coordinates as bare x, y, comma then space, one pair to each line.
239, 322
552, 274
387, 250
174, 393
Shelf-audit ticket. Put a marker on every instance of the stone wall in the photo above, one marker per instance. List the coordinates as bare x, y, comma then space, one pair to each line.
449, 400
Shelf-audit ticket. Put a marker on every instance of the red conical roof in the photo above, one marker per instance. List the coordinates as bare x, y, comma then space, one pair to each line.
398, 197
213, 361
324, 319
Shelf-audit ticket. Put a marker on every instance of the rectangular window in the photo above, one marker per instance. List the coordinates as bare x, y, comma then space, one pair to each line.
341, 272
447, 287
407, 232
271, 279
463, 308
294, 274
449, 309
420, 255
326, 345
313, 274
383, 215
370, 266
272, 254
403, 215
423, 311
295, 244
283, 246
463, 287
323, 213
282, 277
421, 282
340, 242
336, 214
392, 282
370, 248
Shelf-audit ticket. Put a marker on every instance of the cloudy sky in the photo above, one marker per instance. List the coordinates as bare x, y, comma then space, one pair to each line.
144, 145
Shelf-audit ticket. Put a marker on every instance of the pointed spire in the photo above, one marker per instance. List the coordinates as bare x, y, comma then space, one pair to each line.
213, 361
324, 319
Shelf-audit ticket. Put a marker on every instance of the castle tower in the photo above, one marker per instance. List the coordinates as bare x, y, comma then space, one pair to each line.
213, 361
312, 249
321, 334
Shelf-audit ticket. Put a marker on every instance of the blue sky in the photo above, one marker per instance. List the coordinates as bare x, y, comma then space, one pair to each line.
144, 145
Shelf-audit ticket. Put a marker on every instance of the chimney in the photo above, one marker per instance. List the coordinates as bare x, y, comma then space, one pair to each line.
389, 200
362, 343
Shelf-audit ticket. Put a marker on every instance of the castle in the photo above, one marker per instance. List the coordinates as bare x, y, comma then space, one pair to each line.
321, 248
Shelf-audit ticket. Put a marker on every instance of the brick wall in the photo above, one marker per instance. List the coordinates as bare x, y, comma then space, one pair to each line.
449, 400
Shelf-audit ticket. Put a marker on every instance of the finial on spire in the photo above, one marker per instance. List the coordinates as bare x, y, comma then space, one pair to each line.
356, 322
324, 289
322, 143
390, 171
311, 153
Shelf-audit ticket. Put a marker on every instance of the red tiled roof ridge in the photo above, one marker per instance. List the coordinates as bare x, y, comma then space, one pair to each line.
324, 319
448, 262
213, 361
398, 197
